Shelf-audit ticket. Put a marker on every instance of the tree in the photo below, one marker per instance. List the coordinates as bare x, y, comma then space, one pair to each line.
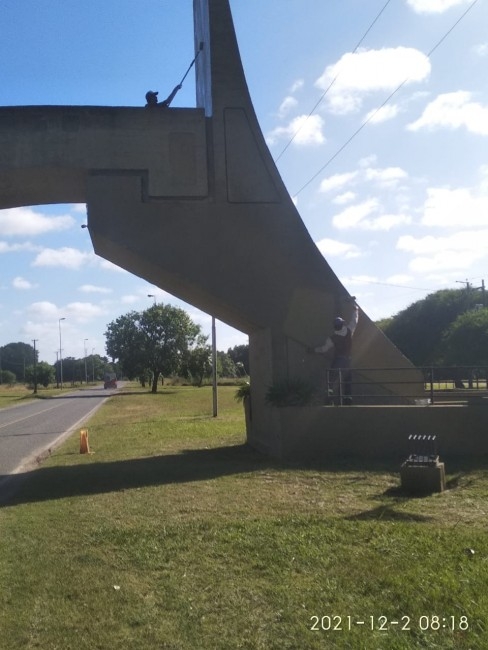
156, 339
466, 339
97, 366
16, 356
44, 373
418, 331
240, 356
124, 341
74, 369
226, 366
197, 363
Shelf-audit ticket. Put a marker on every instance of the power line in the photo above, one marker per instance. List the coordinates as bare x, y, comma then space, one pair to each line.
389, 284
355, 133
405, 286
375, 112
355, 281
330, 85
451, 29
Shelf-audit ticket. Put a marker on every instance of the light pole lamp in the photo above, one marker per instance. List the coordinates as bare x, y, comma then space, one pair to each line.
151, 295
60, 353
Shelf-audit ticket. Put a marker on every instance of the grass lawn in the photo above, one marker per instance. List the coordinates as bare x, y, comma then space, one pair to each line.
16, 394
173, 534
20, 393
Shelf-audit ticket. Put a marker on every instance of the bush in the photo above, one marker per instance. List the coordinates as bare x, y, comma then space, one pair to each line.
7, 377
243, 391
290, 392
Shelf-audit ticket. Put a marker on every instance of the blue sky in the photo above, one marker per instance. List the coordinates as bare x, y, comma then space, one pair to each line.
394, 193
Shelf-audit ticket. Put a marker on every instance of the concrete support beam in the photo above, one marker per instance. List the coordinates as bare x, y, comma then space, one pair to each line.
190, 200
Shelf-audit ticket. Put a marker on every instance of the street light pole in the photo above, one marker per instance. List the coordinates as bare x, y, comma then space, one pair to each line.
86, 374
60, 353
214, 369
93, 366
35, 366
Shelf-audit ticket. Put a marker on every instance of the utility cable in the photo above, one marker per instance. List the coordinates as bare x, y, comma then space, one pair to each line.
331, 84
372, 115
390, 284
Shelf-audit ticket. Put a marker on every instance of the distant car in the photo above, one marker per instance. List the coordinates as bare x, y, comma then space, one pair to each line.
110, 381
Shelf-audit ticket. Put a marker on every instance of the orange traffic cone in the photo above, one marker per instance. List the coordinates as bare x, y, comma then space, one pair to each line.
84, 446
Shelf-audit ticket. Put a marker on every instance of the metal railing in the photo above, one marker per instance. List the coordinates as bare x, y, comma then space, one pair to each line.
420, 386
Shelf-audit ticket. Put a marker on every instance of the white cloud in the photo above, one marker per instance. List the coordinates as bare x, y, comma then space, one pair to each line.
16, 248
368, 161
24, 222
359, 217
306, 130
342, 199
337, 181
387, 176
352, 216
130, 299
386, 222
66, 257
22, 284
400, 278
382, 114
359, 280
483, 171
434, 6
457, 251
472, 240
46, 314
200, 317
297, 85
460, 207
368, 71
44, 310
148, 295
481, 49
44, 326
334, 248
91, 288
442, 261
286, 106
109, 266
79, 208
453, 111
83, 312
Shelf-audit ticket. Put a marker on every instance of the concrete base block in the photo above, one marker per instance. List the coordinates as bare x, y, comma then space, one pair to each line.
423, 478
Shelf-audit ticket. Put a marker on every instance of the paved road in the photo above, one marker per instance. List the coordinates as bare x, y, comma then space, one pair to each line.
29, 430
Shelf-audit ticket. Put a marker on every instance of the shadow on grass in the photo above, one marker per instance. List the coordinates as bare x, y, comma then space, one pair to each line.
47, 483
91, 477
388, 513
94, 393
15, 399
160, 393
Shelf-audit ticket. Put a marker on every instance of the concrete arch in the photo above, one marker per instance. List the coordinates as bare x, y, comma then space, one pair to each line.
191, 201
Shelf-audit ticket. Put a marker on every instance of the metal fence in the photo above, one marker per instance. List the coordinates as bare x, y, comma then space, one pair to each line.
419, 386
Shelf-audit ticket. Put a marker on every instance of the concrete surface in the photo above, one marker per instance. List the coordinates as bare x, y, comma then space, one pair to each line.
191, 200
